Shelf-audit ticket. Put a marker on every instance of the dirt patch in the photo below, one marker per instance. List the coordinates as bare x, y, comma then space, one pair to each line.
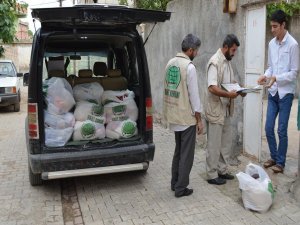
70, 205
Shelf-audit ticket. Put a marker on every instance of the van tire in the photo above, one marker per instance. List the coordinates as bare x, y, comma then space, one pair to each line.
17, 107
34, 179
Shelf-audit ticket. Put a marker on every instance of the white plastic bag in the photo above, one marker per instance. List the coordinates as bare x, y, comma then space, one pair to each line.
57, 137
257, 188
59, 121
89, 111
121, 129
58, 95
116, 96
88, 130
121, 111
91, 92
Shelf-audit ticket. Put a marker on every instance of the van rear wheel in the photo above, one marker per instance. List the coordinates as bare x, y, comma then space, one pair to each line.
34, 179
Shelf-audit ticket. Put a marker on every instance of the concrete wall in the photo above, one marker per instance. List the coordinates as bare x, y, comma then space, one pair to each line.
206, 20
19, 53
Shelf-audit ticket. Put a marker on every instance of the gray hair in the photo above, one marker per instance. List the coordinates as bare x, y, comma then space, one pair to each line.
190, 41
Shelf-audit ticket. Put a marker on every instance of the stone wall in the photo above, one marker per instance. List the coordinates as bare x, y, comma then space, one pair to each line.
206, 20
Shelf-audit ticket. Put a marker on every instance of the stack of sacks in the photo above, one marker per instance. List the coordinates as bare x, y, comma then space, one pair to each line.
59, 122
121, 114
89, 113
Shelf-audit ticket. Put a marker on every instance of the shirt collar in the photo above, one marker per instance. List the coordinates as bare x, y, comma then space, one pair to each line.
222, 55
284, 38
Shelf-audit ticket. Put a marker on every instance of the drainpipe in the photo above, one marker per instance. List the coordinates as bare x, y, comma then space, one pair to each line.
296, 186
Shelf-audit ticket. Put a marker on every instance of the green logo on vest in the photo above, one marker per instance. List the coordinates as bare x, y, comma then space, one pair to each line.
173, 77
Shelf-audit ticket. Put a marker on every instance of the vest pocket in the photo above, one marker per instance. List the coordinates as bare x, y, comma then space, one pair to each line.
214, 107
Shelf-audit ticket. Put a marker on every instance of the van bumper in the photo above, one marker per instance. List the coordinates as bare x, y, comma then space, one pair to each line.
63, 161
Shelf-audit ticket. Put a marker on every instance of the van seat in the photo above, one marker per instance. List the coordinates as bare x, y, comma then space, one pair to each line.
100, 69
85, 76
56, 73
85, 73
114, 80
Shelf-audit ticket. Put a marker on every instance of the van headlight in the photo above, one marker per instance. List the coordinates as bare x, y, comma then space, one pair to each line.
10, 90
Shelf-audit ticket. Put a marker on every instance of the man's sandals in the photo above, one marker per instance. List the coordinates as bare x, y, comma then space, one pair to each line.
275, 168
269, 163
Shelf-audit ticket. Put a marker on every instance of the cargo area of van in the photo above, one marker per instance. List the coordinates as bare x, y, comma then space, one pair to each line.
91, 90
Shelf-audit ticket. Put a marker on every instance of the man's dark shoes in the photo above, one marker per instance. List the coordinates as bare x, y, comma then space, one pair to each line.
226, 176
217, 181
186, 192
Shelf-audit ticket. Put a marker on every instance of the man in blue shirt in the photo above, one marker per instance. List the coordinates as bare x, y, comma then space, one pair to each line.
283, 66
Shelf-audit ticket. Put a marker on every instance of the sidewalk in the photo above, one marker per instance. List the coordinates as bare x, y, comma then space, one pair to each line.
211, 204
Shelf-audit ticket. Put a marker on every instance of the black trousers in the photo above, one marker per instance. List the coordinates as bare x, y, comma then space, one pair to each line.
183, 158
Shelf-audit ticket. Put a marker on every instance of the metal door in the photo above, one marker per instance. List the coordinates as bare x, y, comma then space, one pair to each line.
254, 67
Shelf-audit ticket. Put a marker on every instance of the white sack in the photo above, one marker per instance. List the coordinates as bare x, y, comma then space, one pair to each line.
89, 111
57, 137
117, 96
59, 121
91, 92
121, 111
88, 130
121, 129
58, 95
257, 194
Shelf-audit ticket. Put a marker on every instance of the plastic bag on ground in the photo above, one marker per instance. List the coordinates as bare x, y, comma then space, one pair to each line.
88, 130
91, 92
257, 188
121, 111
58, 95
59, 121
117, 96
57, 137
121, 129
89, 111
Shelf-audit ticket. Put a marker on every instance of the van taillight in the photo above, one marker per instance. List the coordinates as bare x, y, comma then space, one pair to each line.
33, 125
149, 117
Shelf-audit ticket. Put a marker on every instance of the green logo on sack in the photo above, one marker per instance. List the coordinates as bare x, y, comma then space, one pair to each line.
173, 77
119, 109
97, 110
92, 101
271, 189
88, 130
128, 129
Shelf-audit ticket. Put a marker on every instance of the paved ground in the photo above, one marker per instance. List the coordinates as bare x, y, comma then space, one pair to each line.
128, 198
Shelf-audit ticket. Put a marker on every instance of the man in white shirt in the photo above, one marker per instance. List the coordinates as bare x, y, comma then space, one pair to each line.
283, 66
182, 109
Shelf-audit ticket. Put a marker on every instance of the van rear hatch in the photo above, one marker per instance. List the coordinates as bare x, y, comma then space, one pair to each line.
97, 15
